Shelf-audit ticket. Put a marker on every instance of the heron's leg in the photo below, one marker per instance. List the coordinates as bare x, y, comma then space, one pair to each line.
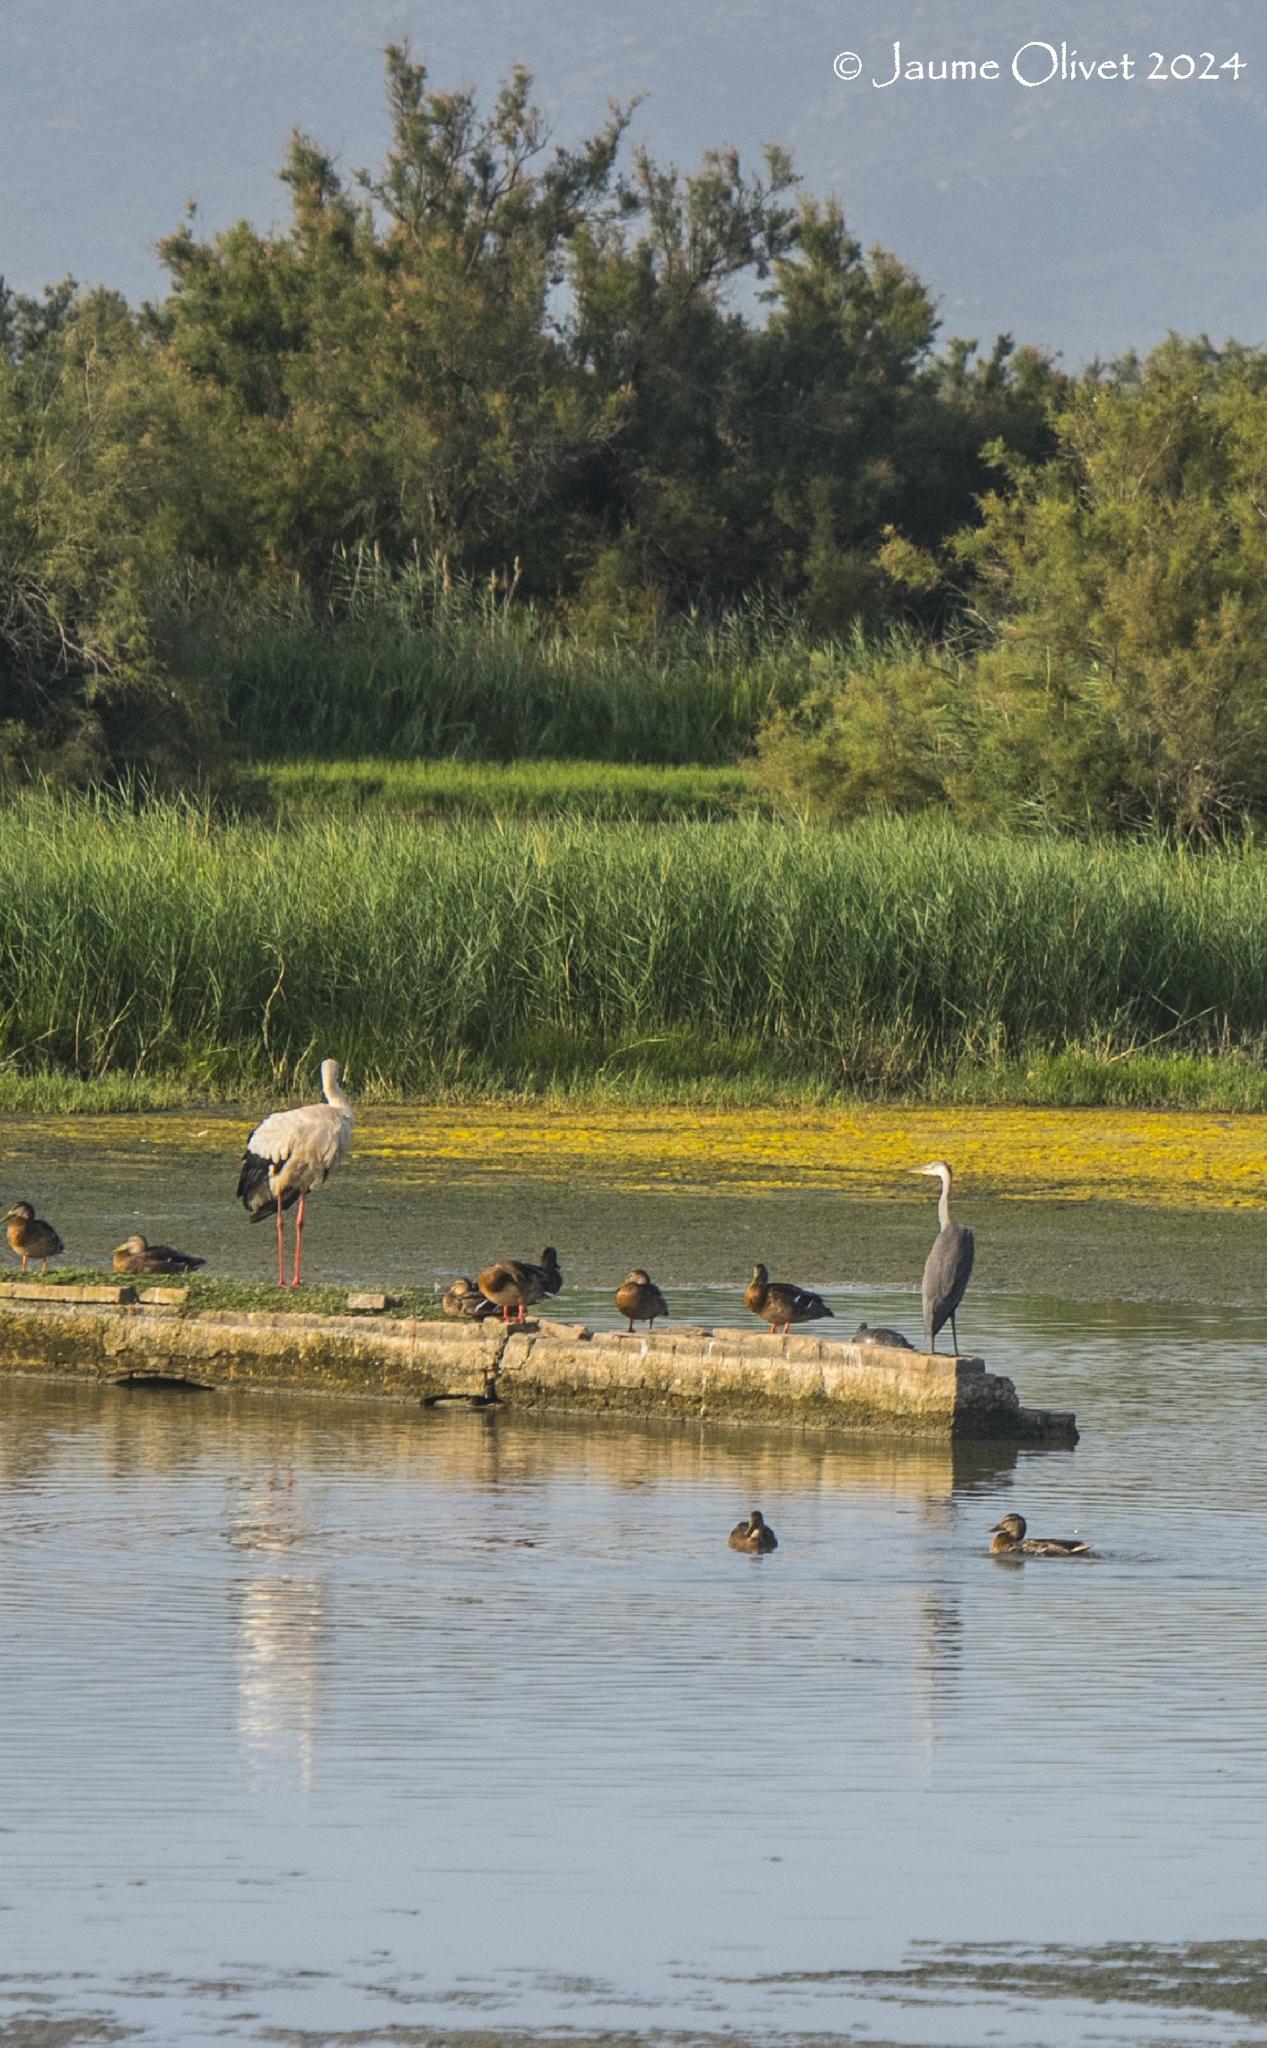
954, 1334
299, 1239
281, 1248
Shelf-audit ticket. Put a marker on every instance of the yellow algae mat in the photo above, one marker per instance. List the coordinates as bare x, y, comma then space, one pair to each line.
1157, 1158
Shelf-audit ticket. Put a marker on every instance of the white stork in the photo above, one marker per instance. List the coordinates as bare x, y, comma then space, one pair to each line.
291, 1153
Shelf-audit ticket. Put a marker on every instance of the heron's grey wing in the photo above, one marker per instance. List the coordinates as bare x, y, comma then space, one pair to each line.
947, 1270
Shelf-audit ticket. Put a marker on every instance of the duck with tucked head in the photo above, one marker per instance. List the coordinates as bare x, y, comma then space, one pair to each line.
754, 1535
30, 1237
1010, 1540
514, 1283
892, 1340
465, 1300
640, 1299
137, 1255
778, 1301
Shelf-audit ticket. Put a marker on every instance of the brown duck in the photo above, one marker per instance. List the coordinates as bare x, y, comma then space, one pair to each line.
640, 1299
1010, 1540
513, 1283
754, 1534
137, 1255
30, 1237
780, 1302
464, 1299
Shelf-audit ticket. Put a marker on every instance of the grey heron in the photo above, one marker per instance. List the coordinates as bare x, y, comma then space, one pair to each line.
948, 1266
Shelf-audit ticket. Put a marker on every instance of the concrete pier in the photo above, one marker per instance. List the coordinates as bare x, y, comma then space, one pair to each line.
679, 1370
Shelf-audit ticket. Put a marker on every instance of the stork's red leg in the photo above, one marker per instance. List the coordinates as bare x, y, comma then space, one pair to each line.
281, 1249
299, 1239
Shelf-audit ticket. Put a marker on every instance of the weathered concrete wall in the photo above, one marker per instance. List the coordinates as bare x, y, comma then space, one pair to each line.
682, 1371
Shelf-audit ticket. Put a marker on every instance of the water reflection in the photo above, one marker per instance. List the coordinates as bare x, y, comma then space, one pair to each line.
280, 1622
351, 1710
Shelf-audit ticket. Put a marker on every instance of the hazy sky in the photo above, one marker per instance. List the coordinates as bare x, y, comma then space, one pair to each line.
1083, 215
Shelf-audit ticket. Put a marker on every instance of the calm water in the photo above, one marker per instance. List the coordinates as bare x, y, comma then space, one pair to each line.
327, 1721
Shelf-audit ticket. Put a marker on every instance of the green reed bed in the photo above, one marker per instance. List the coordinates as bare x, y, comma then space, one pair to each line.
397, 661
740, 958
452, 789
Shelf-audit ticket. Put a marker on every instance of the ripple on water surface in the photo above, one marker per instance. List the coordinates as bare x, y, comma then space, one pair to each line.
478, 1721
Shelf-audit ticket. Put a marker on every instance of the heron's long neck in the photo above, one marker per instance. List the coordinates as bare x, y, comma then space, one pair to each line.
943, 1203
335, 1097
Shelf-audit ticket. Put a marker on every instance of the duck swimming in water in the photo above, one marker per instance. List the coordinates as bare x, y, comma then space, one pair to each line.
30, 1237
754, 1534
1010, 1540
778, 1301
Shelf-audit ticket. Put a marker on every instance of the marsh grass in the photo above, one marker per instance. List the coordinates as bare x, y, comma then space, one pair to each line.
397, 660
158, 949
451, 789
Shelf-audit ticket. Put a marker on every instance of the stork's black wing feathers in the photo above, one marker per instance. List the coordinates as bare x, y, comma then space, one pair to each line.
253, 1189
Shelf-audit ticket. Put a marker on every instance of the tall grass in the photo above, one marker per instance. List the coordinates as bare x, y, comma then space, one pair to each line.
451, 789
489, 955
401, 660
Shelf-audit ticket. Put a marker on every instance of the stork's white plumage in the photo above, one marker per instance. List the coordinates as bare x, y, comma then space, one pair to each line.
291, 1153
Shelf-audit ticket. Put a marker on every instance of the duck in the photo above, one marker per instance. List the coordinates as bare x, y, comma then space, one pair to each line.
137, 1255
30, 1237
1010, 1540
753, 1535
780, 1302
464, 1299
640, 1299
513, 1283
893, 1339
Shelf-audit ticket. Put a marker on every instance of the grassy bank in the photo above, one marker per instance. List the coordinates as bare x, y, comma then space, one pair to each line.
743, 960
211, 1291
